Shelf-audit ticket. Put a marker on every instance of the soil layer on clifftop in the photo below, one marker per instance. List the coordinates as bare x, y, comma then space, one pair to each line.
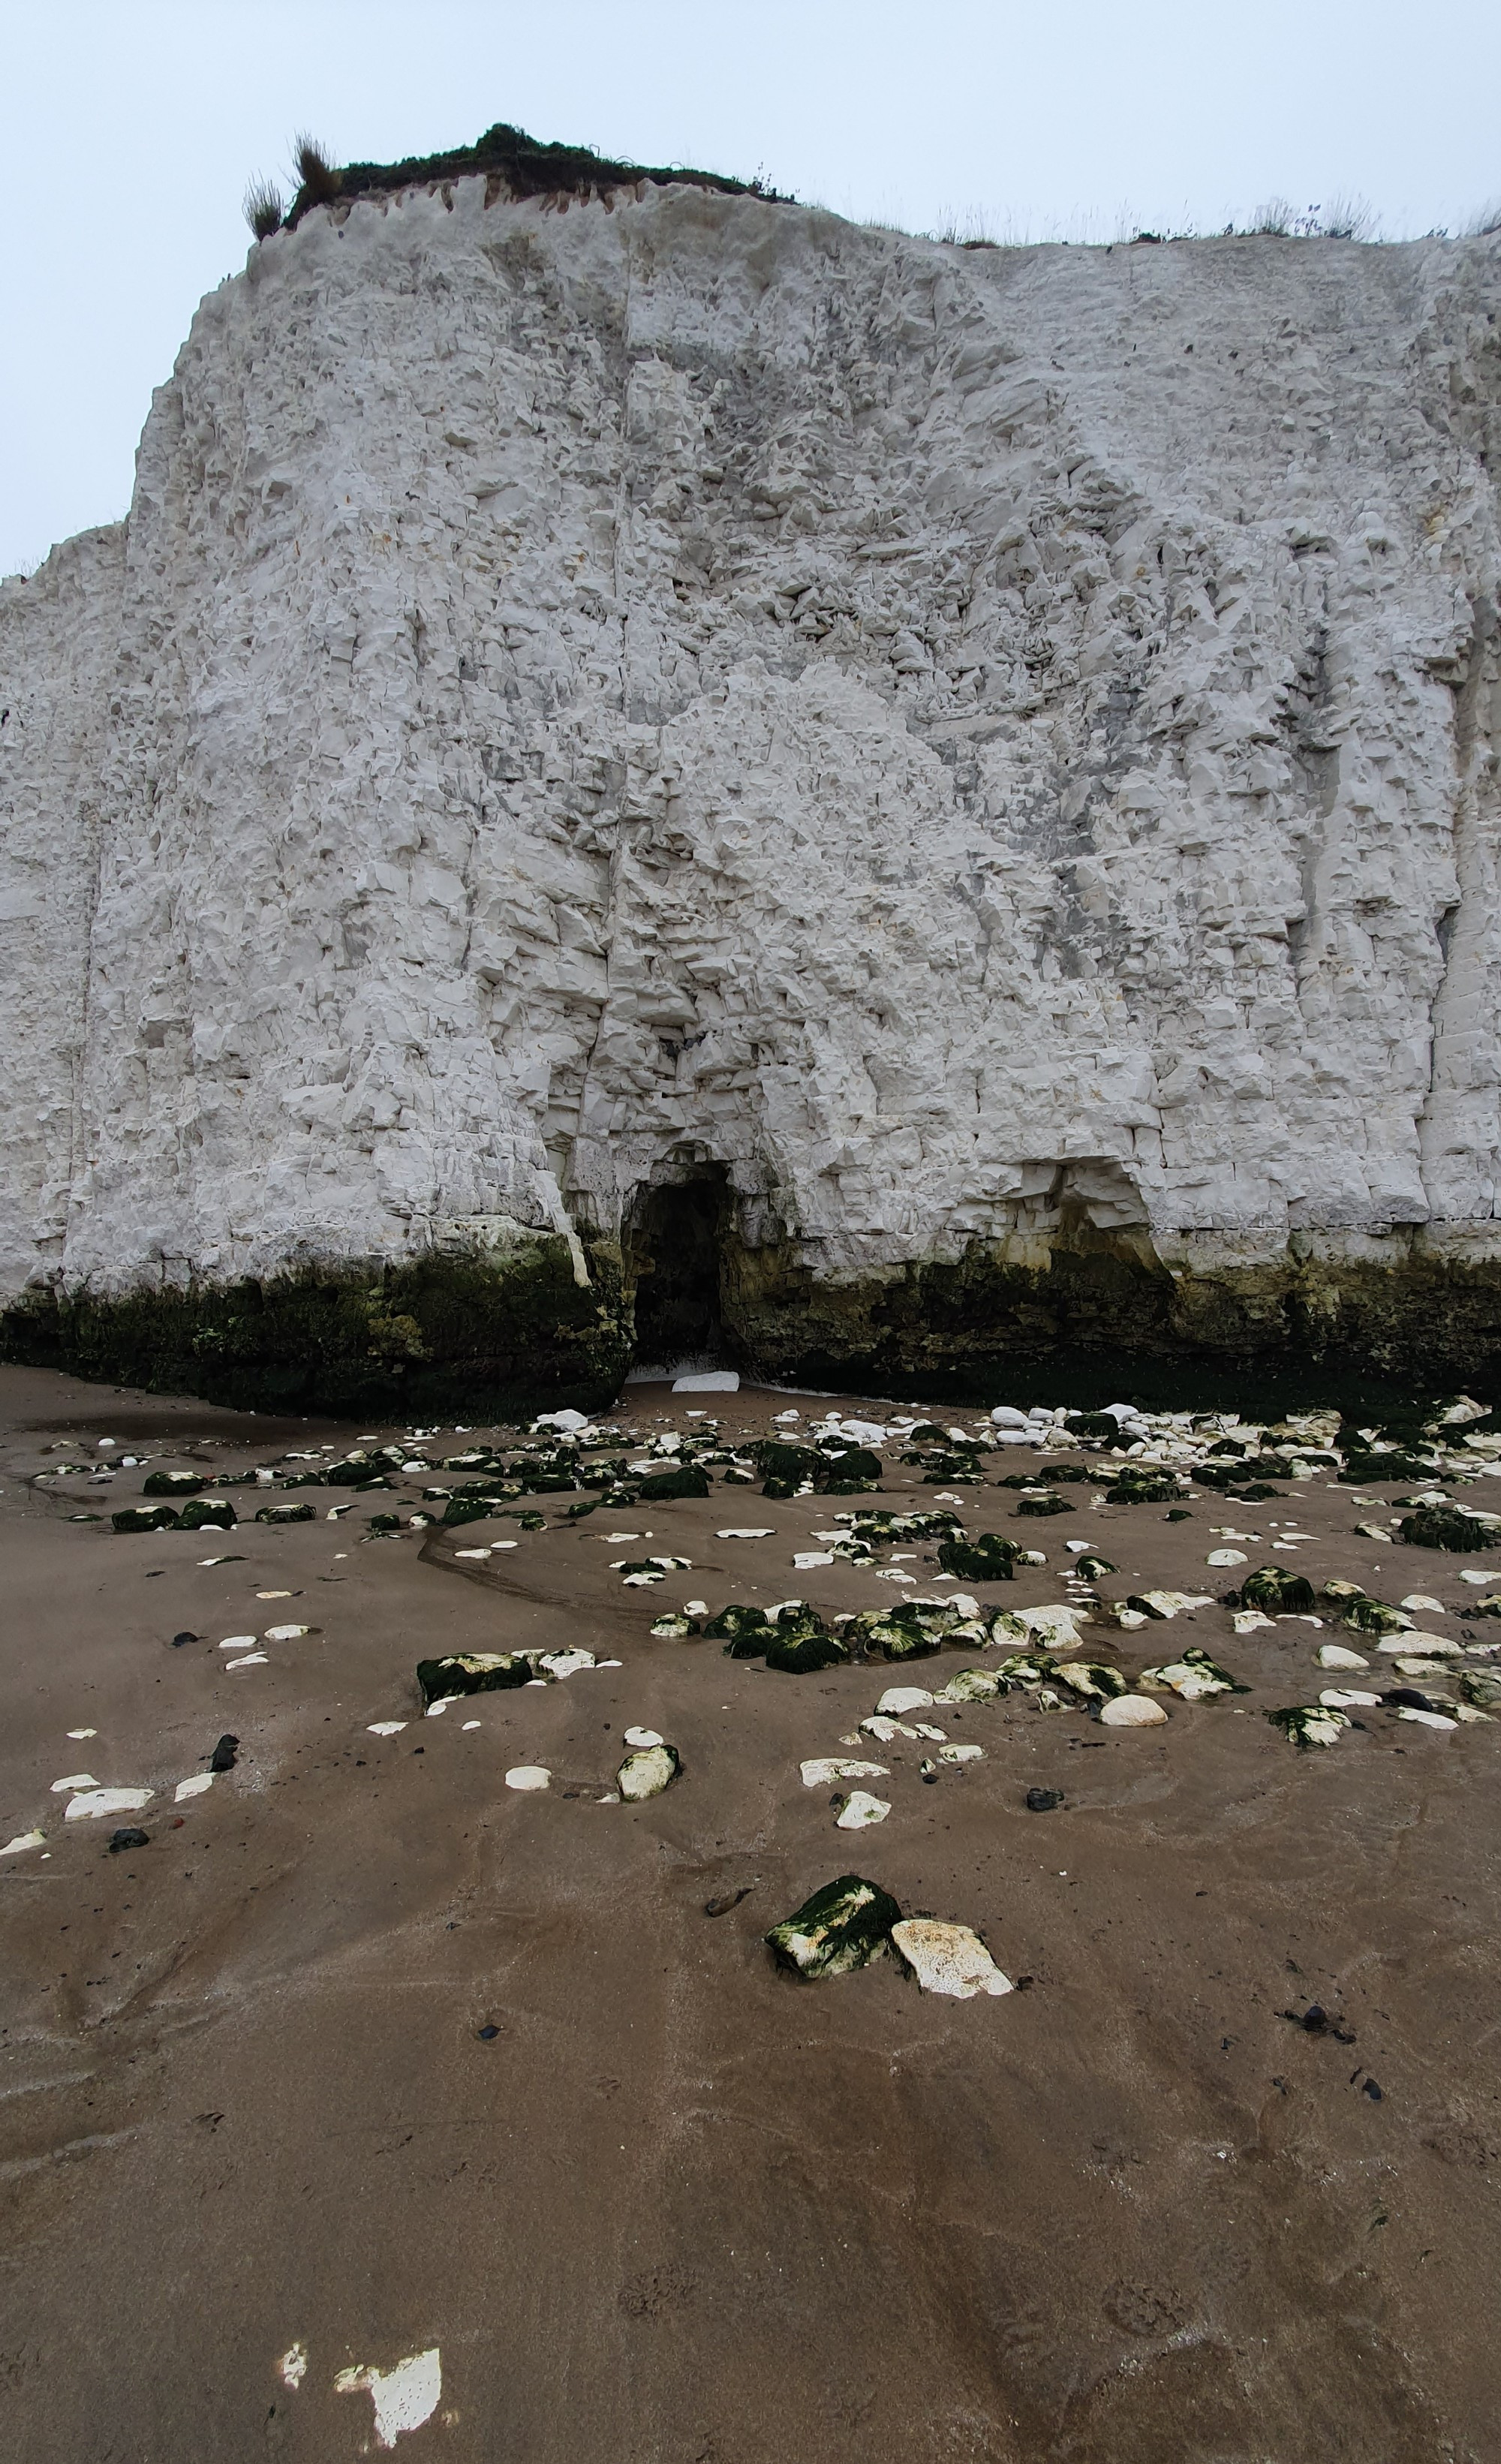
527, 167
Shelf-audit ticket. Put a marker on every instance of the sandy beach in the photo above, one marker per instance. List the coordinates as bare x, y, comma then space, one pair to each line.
366, 2060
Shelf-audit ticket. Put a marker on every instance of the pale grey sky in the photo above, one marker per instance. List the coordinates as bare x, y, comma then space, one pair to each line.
129, 131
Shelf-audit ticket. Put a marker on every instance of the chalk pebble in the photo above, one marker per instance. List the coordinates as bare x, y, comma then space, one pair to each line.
860, 1810
898, 1699
948, 1958
1132, 1711
404, 2396
528, 1775
822, 1771
387, 1728
198, 1785
23, 1839
92, 1803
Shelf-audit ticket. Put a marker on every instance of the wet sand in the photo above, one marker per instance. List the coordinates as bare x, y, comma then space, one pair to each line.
679, 2209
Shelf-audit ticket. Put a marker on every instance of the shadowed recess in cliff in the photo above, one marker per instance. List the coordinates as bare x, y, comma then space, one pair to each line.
673, 1249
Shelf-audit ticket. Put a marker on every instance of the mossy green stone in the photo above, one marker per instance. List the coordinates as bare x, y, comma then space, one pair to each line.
1446, 1527
841, 1926
472, 1672
145, 1518
208, 1514
1277, 1590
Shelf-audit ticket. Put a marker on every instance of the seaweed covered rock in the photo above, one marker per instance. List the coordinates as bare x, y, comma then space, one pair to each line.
207, 1515
286, 1514
987, 1558
932, 1523
1093, 1681
1309, 1724
683, 1480
1195, 1676
472, 1672
843, 1927
804, 1654
1278, 1590
1363, 1615
830, 1470
1044, 1505
1447, 1527
1147, 1488
172, 1483
145, 1518
913, 1630
744, 1631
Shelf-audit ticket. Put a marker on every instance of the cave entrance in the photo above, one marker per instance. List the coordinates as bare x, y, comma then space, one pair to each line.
674, 1238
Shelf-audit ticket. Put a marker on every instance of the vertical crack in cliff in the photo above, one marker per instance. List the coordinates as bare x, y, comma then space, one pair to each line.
1457, 1125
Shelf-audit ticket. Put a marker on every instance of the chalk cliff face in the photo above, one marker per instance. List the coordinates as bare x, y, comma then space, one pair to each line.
986, 760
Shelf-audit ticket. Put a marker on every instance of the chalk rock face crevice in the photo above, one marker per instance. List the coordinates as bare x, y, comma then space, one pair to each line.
991, 755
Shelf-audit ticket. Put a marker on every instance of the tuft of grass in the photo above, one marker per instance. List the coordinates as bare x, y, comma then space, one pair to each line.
1481, 226
1346, 218
318, 181
263, 207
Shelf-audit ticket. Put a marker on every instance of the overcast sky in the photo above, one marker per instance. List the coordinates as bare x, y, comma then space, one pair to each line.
130, 129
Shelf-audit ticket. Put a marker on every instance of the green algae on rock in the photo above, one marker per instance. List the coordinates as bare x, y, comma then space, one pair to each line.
506, 1334
843, 1927
1309, 1724
1449, 1526
472, 1672
987, 1558
1276, 1589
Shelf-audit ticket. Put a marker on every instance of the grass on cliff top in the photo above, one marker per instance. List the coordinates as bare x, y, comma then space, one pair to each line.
528, 168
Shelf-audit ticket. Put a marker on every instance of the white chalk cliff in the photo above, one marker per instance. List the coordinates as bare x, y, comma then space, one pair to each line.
966, 740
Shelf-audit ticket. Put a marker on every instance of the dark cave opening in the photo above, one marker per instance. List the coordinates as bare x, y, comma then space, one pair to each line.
673, 1246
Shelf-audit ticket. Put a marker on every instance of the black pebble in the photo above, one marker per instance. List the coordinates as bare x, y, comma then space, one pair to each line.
178, 1640
1370, 2090
485, 2035
722, 1905
222, 1758
929, 1779
128, 1838
1408, 1698
1042, 1800
1315, 2017
1177, 1514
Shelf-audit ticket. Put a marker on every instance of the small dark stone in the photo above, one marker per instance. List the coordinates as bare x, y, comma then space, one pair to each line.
1406, 1698
1315, 2017
178, 1640
1370, 2090
1042, 1800
930, 1778
1177, 1514
727, 1900
222, 1758
129, 1837
487, 2034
